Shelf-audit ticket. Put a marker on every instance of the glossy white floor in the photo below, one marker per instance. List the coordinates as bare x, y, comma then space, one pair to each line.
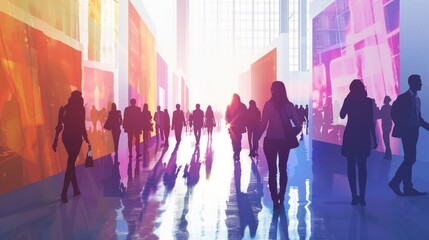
193, 192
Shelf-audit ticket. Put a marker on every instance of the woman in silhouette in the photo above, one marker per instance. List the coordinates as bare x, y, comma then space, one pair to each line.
71, 119
357, 137
147, 125
235, 117
253, 119
210, 121
277, 113
114, 122
386, 126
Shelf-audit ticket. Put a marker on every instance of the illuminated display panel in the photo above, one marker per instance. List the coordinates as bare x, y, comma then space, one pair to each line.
263, 73
141, 60
353, 39
162, 80
62, 15
94, 29
98, 92
37, 75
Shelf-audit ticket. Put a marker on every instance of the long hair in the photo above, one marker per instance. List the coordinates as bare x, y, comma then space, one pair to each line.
76, 99
278, 94
357, 90
209, 109
252, 104
74, 112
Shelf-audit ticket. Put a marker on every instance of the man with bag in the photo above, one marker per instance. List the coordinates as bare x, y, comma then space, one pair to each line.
408, 119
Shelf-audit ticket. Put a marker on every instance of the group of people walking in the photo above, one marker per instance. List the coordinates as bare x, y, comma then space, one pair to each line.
281, 124
135, 122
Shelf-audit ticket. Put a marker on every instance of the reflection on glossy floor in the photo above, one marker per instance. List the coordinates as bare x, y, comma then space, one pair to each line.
197, 192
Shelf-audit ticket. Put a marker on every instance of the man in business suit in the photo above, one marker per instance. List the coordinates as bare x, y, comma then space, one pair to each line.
407, 118
131, 126
177, 123
198, 119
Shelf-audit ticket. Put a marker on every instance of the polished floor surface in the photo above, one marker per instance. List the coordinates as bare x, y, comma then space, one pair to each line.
198, 192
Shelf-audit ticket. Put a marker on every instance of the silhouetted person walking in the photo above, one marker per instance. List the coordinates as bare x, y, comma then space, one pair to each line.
102, 117
357, 137
166, 126
235, 116
210, 121
113, 123
253, 119
159, 130
407, 118
198, 119
147, 125
93, 114
386, 126
277, 114
71, 119
187, 117
177, 123
132, 126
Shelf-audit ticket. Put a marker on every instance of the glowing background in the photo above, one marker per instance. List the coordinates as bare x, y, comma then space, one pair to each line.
141, 60
263, 73
162, 79
98, 92
37, 75
353, 39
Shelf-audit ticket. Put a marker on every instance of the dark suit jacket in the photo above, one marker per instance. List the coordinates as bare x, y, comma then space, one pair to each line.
198, 116
131, 121
178, 119
402, 115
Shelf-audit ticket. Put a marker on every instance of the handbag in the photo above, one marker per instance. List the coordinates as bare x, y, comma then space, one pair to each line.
108, 123
89, 161
290, 133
